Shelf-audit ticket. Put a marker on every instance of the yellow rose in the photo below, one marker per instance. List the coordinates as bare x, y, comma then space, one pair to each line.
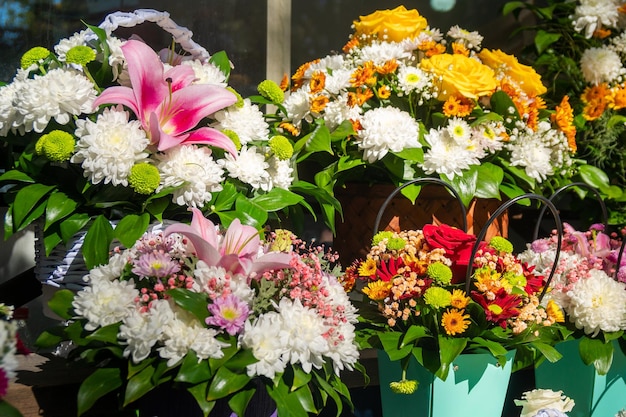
456, 74
506, 65
391, 25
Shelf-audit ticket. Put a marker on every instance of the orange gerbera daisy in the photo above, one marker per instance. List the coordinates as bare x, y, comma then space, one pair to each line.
388, 67
364, 75
564, 119
319, 103
377, 290
455, 321
318, 81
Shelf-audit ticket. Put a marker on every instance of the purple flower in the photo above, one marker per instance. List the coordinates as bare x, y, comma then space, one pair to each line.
155, 264
540, 246
228, 313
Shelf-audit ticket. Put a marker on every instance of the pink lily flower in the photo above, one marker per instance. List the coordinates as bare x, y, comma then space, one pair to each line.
238, 251
168, 105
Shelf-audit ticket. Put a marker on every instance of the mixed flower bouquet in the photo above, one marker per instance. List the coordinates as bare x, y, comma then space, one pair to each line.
405, 100
213, 311
104, 129
579, 49
419, 302
10, 346
588, 285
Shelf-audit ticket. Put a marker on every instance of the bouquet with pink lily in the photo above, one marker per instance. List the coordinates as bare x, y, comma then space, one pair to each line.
10, 346
104, 130
217, 313
589, 286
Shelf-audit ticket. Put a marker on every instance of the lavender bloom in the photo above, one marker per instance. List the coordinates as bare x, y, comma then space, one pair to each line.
540, 246
550, 412
155, 264
228, 313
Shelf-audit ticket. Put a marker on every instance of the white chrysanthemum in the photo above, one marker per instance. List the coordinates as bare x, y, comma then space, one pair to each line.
297, 106
261, 338
207, 73
601, 65
117, 60
187, 334
110, 271
471, 40
64, 45
8, 111
59, 94
386, 129
598, 303
381, 52
446, 156
247, 121
249, 167
489, 136
338, 81
590, 15
108, 148
141, 331
105, 302
302, 335
618, 43
330, 63
411, 79
337, 111
280, 172
194, 171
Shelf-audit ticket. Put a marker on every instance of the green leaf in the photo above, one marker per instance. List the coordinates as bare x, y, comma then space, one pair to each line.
511, 6
501, 103
220, 60
291, 404
277, 199
548, 351
414, 333
250, 213
544, 39
27, 200
331, 391
391, 345
465, 185
16, 176
96, 385
449, 349
226, 382
97, 242
199, 394
224, 199
193, 302
47, 339
489, 179
192, 370
131, 227
316, 141
593, 176
59, 206
7, 410
72, 225
596, 352
300, 378
239, 401
139, 385
107, 334
61, 303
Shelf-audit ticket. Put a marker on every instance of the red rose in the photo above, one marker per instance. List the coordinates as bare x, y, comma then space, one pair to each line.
457, 244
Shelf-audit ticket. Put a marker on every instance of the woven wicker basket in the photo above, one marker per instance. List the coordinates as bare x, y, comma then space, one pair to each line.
435, 204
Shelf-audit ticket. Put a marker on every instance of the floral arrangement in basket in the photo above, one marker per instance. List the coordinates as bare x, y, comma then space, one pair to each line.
10, 346
212, 311
421, 301
578, 47
588, 284
105, 129
405, 100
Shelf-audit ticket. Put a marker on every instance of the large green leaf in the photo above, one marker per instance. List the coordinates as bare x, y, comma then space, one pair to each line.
250, 213
291, 404
139, 385
239, 401
59, 206
16, 176
596, 352
489, 179
96, 385
277, 199
547, 351
7, 410
392, 345
544, 39
594, 176
61, 303
27, 200
449, 349
193, 370
131, 227
193, 302
97, 242
220, 60
466, 184
72, 225
199, 394
226, 382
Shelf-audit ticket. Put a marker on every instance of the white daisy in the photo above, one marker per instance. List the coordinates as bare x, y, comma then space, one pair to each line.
193, 171
207, 73
381, 52
446, 156
59, 94
386, 129
471, 40
64, 45
411, 79
105, 302
108, 148
247, 121
459, 130
249, 167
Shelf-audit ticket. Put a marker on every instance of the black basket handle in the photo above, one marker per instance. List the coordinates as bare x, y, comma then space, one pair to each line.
483, 232
389, 198
605, 216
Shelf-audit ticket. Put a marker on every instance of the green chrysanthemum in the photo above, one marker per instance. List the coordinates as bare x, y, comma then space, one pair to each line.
232, 135
57, 146
281, 146
239, 103
406, 386
380, 236
440, 272
271, 91
80, 55
501, 244
437, 297
144, 178
396, 243
518, 281
33, 56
